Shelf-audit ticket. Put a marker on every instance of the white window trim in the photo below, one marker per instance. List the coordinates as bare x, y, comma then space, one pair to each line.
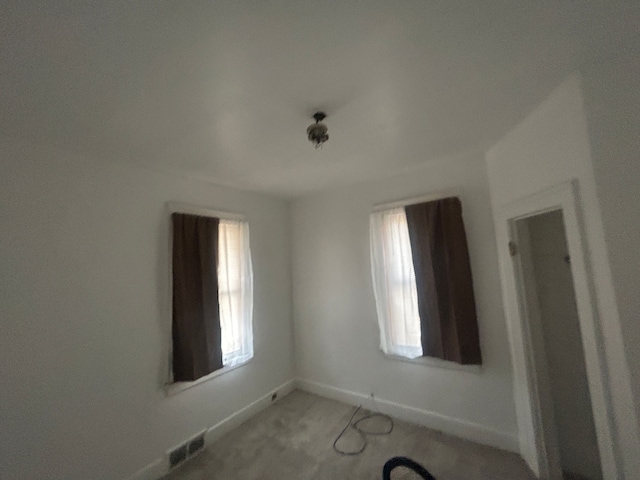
433, 362
171, 387
177, 387
179, 207
427, 197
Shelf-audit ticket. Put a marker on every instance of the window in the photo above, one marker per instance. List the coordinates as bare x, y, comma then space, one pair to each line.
422, 282
396, 284
212, 301
235, 292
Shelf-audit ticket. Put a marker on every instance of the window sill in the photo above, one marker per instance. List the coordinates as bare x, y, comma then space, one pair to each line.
177, 387
434, 362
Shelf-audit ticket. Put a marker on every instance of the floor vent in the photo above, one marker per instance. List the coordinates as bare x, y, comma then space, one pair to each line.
196, 444
178, 455
186, 450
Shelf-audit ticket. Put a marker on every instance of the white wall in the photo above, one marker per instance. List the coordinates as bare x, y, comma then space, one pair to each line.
612, 100
563, 346
550, 146
85, 319
336, 332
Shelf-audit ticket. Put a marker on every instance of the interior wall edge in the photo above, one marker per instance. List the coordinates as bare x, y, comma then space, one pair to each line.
85, 291
550, 146
160, 466
446, 424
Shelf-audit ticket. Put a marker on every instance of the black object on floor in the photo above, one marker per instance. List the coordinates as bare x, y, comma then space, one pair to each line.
404, 462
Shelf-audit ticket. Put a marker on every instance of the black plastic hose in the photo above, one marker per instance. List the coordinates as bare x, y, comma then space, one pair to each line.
404, 462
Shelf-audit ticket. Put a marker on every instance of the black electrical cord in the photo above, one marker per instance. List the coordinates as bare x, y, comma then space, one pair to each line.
363, 433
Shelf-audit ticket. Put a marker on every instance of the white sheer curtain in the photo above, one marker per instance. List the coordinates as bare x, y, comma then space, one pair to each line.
394, 284
235, 291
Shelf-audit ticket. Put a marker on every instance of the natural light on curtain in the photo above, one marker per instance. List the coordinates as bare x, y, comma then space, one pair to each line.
235, 291
395, 284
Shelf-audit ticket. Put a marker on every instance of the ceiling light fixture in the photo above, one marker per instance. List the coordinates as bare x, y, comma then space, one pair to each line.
317, 132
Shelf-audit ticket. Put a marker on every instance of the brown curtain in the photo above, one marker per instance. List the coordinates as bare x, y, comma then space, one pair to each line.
446, 302
196, 312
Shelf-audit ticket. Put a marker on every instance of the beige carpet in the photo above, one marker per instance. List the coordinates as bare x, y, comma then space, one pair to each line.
293, 438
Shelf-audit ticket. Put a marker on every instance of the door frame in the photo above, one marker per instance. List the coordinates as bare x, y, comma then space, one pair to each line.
538, 444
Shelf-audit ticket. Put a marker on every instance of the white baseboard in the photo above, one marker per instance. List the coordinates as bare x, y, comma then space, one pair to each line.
452, 426
153, 471
236, 419
160, 467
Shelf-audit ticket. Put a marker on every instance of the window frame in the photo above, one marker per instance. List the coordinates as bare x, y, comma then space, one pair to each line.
171, 387
426, 361
243, 223
383, 225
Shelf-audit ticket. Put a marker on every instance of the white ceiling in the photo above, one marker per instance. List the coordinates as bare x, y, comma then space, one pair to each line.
224, 90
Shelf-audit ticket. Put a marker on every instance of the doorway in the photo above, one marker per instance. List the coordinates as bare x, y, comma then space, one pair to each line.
537, 430
557, 352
